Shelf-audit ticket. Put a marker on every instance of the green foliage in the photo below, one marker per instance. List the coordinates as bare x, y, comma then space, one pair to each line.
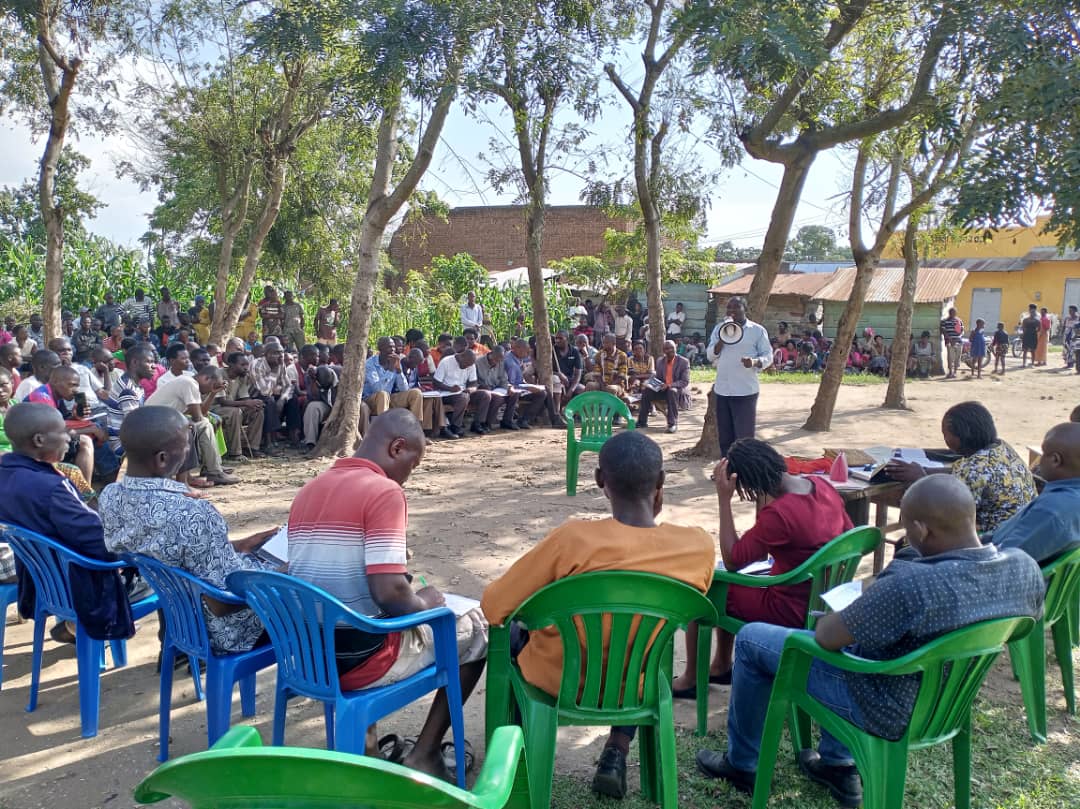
430, 301
727, 251
20, 214
92, 266
815, 243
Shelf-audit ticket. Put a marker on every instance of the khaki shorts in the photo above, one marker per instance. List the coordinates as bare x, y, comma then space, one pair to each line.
418, 647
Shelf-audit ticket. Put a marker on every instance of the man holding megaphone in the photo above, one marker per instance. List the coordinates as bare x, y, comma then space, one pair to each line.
740, 350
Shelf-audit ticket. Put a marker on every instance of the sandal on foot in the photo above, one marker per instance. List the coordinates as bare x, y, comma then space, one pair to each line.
449, 759
392, 748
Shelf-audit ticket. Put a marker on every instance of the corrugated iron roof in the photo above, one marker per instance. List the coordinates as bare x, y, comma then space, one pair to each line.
1052, 254
969, 264
803, 284
935, 284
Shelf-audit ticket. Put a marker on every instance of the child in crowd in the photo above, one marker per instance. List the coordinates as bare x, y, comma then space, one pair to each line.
978, 347
1001, 348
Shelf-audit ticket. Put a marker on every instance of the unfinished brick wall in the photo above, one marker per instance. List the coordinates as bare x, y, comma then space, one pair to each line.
495, 236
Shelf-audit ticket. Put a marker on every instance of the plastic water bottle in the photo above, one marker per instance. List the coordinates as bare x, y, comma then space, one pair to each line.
839, 471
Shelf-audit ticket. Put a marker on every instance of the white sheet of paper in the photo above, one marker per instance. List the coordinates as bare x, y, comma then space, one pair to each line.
500, 391
278, 545
752, 569
460, 604
840, 597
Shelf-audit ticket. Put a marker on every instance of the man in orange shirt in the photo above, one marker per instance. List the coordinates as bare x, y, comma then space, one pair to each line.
631, 476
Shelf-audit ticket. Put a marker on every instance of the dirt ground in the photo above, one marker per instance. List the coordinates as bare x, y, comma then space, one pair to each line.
475, 506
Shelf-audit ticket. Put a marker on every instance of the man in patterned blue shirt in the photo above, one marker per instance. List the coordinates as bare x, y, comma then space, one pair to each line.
150, 513
953, 582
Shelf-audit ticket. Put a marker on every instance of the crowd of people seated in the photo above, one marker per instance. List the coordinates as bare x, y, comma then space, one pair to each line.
172, 409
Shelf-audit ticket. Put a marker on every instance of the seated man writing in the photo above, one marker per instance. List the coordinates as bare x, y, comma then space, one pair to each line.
954, 581
347, 536
39, 498
149, 513
631, 476
456, 374
1050, 524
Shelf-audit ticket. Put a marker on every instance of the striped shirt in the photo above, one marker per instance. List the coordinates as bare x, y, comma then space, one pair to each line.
126, 395
345, 524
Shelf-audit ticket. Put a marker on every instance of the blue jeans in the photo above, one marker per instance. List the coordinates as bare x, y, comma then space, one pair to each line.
757, 657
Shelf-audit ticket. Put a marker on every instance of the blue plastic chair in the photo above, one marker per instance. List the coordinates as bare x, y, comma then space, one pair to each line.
9, 594
300, 619
181, 597
47, 563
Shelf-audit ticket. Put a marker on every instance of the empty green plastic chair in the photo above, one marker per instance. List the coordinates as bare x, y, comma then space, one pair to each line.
835, 563
952, 670
640, 612
597, 411
239, 773
1029, 654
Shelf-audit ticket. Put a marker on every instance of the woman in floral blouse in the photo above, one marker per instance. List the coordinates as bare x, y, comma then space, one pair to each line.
997, 476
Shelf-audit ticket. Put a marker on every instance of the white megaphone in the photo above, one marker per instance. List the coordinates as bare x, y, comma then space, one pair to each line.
730, 332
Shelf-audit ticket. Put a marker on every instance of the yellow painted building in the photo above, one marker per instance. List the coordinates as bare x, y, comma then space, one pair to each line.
1014, 268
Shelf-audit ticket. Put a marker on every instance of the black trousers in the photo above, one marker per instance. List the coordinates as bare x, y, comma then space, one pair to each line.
736, 417
669, 396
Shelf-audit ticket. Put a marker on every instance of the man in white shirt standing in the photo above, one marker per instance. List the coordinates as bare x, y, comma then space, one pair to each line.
623, 328
737, 368
675, 322
472, 314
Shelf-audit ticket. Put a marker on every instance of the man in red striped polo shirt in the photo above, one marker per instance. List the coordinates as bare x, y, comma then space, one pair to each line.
347, 535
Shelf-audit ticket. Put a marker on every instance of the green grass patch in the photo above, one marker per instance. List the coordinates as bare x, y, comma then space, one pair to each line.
708, 375
1008, 772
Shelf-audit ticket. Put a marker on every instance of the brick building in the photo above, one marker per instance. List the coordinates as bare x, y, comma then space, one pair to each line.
494, 235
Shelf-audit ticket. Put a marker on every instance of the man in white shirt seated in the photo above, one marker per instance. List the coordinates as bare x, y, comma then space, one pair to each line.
63, 349
456, 374
737, 368
42, 364
193, 396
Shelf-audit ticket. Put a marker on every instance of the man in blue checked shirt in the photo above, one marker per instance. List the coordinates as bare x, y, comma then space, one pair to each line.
385, 385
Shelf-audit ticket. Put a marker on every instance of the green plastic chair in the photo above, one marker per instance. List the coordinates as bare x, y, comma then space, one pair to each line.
640, 612
239, 773
835, 563
597, 411
1029, 654
952, 670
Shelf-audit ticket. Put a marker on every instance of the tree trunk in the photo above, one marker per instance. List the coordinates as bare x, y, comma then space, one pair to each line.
894, 396
776, 238
221, 286
825, 402
340, 431
654, 282
384, 201
534, 240
230, 315
708, 446
59, 96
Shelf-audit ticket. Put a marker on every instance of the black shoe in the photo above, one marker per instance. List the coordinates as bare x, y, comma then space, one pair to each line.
716, 765
446, 432
60, 633
558, 423
508, 425
477, 429
610, 777
842, 781
523, 424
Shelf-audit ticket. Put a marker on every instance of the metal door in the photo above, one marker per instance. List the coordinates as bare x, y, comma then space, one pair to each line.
986, 304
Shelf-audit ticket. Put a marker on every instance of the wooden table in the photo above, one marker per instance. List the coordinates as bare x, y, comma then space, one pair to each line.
858, 495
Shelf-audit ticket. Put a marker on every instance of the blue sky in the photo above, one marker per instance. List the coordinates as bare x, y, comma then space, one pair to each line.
740, 203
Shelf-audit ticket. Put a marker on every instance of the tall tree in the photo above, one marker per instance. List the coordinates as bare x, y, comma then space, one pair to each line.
788, 69
664, 37
938, 173
66, 43
410, 52
220, 141
539, 58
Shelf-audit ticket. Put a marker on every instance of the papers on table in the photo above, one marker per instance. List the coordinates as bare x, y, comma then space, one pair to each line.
276, 549
882, 455
918, 456
758, 568
460, 604
843, 596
